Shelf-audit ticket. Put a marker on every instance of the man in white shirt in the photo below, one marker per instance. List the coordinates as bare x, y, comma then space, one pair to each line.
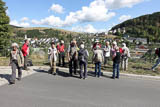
53, 58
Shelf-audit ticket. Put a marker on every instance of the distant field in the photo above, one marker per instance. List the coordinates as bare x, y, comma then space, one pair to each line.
44, 28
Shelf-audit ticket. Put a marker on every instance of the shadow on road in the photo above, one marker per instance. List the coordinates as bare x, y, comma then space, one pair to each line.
5, 76
40, 71
92, 74
66, 74
63, 74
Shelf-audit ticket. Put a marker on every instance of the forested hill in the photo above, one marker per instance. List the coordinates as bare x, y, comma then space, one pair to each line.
143, 26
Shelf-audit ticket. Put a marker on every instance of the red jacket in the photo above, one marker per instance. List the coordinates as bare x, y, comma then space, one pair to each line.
61, 48
25, 48
121, 50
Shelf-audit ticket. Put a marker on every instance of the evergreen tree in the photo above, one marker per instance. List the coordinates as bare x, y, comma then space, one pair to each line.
4, 25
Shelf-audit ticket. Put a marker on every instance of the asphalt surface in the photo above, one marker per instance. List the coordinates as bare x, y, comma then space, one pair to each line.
45, 90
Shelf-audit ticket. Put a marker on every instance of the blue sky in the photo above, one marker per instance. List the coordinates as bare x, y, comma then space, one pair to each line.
77, 15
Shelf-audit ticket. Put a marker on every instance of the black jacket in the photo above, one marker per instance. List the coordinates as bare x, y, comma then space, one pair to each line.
117, 58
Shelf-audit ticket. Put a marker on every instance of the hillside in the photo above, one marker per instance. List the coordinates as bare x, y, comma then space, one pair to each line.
146, 26
41, 32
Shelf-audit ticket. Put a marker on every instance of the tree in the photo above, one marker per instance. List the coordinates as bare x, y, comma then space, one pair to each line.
4, 25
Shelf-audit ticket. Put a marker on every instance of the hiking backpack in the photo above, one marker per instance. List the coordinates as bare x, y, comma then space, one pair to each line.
73, 52
98, 57
82, 55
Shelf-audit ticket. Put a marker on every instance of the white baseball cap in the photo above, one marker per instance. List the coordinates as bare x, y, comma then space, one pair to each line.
82, 46
62, 41
14, 44
115, 43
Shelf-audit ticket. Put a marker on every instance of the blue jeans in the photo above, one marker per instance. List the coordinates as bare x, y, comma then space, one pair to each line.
115, 70
157, 63
98, 66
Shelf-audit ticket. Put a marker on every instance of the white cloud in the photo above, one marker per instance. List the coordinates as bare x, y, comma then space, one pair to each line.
24, 19
20, 24
116, 4
51, 21
97, 11
88, 29
57, 8
124, 18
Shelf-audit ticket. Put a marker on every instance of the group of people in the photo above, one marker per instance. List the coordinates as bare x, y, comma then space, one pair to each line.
78, 55
117, 54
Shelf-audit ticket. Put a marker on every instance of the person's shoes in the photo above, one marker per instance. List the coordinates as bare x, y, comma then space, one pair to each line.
54, 74
11, 83
112, 77
84, 78
19, 79
98, 76
117, 77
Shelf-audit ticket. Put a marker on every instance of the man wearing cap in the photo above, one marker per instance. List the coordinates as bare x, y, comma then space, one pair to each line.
73, 56
83, 61
25, 51
125, 55
61, 53
16, 62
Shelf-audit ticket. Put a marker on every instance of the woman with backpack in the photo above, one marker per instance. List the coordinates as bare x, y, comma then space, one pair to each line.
83, 61
116, 62
124, 57
98, 59
16, 62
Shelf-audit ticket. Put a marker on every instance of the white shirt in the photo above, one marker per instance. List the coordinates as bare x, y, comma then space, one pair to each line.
53, 54
107, 51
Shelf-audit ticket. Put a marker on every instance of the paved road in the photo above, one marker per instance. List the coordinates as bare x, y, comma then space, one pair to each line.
44, 90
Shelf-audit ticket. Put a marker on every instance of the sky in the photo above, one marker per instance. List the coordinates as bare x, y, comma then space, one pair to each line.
90, 16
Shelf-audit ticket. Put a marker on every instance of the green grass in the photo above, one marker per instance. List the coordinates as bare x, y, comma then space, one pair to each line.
4, 61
